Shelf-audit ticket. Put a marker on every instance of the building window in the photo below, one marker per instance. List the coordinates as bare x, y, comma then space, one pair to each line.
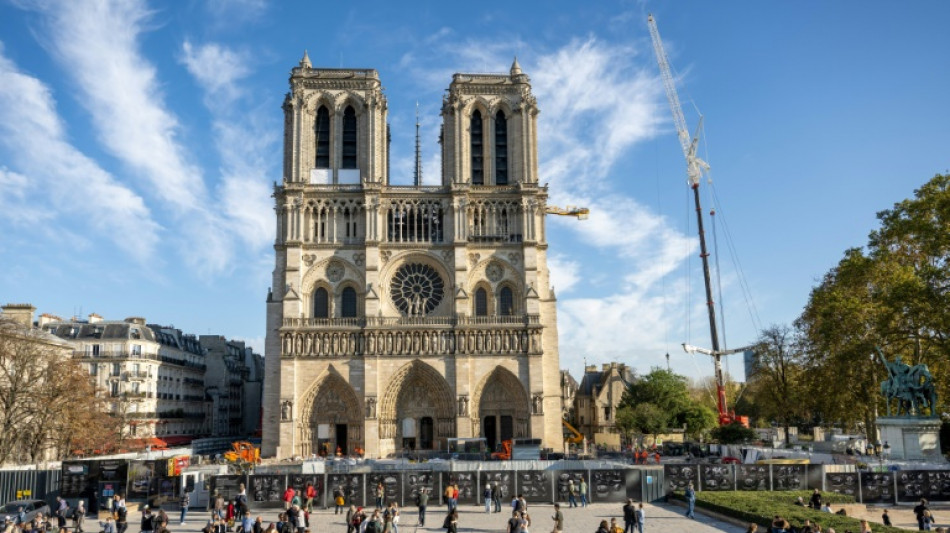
478, 173
95, 350
505, 302
321, 303
349, 138
501, 149
116, 369
136, 349
481, 302
93, 369
322, 133
348, 303
607, 413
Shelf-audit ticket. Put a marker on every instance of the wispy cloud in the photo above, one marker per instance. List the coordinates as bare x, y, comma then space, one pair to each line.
244, 139
98, 45
55, 178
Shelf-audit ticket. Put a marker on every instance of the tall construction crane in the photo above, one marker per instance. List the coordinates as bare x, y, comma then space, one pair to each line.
695, 167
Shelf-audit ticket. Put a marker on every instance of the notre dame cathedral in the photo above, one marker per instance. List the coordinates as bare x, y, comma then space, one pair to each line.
405, 315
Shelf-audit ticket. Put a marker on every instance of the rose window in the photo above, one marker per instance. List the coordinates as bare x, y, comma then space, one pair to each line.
416, 289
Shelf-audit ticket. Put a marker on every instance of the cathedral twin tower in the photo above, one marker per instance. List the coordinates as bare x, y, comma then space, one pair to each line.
403, 316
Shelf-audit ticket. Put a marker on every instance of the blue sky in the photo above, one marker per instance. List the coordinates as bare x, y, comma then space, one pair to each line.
139, 141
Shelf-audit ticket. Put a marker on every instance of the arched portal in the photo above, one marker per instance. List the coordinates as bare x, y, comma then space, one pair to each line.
417, 411
501, 407
332, 419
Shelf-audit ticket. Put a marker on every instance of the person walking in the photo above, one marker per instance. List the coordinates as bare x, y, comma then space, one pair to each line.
558, 518
451, 523
311, 492
629, 516
583, 490
148, 520
422, 500
513, 522
571, 493
919, 513
487, 496
380, 495
79, 515
184, 503
886, 518
815, 499
640, 518
496, 496
288, 497
690, 501
448, 498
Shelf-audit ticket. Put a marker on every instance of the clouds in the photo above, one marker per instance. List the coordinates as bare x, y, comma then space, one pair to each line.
55, 178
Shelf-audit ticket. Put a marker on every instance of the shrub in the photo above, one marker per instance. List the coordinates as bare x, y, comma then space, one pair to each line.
761, 508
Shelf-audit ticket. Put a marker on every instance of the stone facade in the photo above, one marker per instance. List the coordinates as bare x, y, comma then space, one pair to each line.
598, 396
402, 316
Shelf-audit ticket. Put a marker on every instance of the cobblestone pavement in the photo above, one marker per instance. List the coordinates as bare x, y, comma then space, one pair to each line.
660, 518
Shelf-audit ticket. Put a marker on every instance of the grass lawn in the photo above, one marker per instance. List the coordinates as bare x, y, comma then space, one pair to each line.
761, 508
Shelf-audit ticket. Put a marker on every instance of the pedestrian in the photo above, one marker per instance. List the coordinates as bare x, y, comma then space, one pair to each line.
571, 493
422, 500
496, 496
865, 527
121, 518
522, 503
885, 518
487, 496
524, 523
513, 522
108, 526
350, 513
340, 502
394, 515
288, 497
629, 516
241, 500
380, 495
602, 528
247, 523
690, 501
451, 523
640, 518
258, 526
815, 500
448, 498
61, 508
583, 490
218, 504
355, 521
558, 518
455, 498
311, 492
615, 527
148, 520
79, 515
919, 513
184, 503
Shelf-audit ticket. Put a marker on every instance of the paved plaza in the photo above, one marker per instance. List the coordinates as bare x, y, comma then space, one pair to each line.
660, 518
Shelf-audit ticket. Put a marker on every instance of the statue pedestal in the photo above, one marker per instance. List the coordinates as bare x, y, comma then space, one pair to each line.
911, 439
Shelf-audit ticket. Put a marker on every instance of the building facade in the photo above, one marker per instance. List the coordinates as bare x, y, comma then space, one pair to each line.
598, 396
157, 378
233, 384
402, 316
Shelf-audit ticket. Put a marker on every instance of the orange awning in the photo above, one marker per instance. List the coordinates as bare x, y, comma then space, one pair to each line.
141, 444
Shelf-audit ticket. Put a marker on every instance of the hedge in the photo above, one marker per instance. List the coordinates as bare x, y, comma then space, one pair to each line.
761, 508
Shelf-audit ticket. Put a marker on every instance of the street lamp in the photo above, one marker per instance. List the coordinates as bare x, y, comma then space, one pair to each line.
886, 452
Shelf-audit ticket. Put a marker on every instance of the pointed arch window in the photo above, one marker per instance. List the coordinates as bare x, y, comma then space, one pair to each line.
506, 302
322, 134
481, 302
349, 138
478, 172
321, 303
501, 149
348, 303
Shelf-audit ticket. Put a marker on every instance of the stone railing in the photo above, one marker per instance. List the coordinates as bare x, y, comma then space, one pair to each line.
520, 339
409, 321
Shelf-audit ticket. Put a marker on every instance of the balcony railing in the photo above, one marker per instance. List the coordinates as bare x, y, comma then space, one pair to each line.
428, 321
136, 375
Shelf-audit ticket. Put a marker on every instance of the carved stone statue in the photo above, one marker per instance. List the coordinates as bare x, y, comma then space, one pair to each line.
537, 405
912, 387
371, 407
285, 409
463, 406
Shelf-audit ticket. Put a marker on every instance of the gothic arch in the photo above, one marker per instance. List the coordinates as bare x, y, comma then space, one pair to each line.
331, 402
501, 395
417, 391
416, 256
351, 99
316, 275
477, 274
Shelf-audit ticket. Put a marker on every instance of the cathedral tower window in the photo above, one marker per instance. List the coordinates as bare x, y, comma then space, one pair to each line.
505, 302
322, 134
348, 303
478, 171
481, 302
501, 149
321, 303
349, 138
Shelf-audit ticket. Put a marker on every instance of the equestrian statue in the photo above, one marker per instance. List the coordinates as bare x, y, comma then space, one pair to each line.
912, 387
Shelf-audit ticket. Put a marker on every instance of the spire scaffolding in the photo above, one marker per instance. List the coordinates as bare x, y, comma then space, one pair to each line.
418, 174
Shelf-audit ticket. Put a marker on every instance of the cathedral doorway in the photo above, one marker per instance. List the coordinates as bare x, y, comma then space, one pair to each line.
502, 408
417, 410
333, 419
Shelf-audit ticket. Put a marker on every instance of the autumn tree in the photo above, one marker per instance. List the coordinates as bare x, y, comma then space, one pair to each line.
778, 379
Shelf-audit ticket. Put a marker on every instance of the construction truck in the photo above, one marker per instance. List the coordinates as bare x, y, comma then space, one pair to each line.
243, 456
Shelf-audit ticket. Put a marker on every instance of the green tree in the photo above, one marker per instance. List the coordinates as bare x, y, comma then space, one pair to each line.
778, 383
662, 388
734, 433
650, 419
699, 419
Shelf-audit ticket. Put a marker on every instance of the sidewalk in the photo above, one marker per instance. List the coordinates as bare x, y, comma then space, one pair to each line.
660, 518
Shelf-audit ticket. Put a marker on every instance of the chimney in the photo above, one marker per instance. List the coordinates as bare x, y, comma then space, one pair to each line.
590, 368
47, 318
94, 318
135, 320
19, 313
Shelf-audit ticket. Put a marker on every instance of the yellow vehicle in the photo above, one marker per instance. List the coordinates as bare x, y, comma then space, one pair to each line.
243, 455
577, 437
